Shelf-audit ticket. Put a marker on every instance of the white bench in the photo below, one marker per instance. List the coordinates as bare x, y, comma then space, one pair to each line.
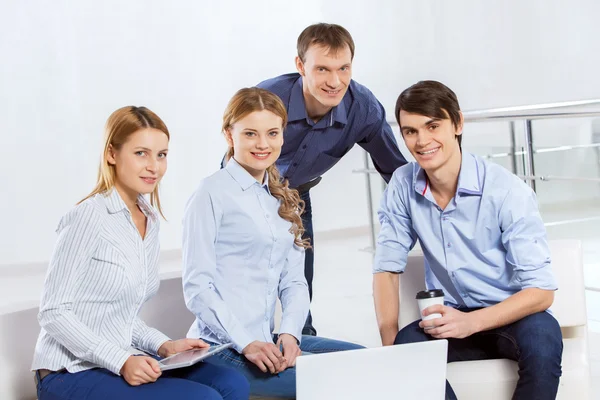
496, 379
19, 329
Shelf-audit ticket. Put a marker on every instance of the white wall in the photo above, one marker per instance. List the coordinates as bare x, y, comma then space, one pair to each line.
66, 65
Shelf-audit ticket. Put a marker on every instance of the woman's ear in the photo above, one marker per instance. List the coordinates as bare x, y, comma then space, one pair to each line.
110, 155
228, 137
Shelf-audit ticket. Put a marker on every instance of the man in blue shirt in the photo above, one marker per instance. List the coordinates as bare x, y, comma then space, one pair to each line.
328, 113
484, 244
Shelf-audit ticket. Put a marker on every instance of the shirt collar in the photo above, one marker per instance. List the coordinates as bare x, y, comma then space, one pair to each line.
297, 106
243, 177
468, 177
115, 204
420, 182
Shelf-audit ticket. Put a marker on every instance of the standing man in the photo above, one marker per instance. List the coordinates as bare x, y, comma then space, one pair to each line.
484, 244
328, 114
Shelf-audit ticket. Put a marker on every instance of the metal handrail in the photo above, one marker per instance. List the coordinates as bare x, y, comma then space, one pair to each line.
475, 116
534, 111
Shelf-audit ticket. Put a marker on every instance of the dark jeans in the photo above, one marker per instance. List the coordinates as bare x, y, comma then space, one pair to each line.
201, 381
535, 342
309, 259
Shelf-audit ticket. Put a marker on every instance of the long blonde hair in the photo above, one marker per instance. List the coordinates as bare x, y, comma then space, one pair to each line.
120, 125
243, 103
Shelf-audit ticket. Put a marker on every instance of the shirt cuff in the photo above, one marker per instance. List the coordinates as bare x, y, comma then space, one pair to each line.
389, 260
289, 327
152, 341
240, 339
388, 266
110, 356
541, 278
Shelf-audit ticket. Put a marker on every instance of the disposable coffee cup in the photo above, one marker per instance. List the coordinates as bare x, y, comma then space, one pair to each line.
428, 298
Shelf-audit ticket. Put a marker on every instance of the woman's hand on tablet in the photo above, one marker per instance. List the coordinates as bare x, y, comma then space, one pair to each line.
177, 346
138, 370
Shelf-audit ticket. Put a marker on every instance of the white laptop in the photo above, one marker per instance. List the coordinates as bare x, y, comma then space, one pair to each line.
407, 371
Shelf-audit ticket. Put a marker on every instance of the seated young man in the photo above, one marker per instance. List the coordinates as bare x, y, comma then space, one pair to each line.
484, 244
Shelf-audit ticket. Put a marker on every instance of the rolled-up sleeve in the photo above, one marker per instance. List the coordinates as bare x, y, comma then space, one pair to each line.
293, 293
396, 237
77, 237
200, 230
525, 241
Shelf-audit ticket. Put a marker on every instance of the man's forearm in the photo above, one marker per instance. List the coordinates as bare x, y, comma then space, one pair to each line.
385, 294
518, 306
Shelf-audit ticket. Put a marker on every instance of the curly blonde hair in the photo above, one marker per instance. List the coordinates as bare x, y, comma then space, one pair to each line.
243, 103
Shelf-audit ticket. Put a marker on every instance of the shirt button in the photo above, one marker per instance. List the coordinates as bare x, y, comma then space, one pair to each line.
304, 146
268, 216
295, 164
266, 318
448, 245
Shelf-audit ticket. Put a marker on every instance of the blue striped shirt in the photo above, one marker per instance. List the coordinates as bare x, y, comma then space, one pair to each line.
312, 148
486, 245
100, 275
238, 258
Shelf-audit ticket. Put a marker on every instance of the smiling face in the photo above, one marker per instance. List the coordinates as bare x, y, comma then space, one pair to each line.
326, 75
140, 162
256, 140
432, 141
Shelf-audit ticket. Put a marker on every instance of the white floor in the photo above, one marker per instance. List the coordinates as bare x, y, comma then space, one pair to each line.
343, 304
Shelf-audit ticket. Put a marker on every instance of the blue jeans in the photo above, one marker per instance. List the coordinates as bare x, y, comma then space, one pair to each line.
202, 381
282, 385
535, 342
309, 257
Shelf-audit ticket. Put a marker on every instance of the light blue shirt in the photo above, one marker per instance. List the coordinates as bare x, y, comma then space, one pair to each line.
486, 245
238, 257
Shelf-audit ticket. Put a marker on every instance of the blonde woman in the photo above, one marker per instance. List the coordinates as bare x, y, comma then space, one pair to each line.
243, 249
104, 267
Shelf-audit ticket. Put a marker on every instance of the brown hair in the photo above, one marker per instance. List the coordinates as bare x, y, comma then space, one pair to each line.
243, 103
432, 99
120, 125
332, 36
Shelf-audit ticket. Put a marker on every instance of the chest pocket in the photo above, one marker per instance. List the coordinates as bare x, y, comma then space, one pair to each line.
105, 279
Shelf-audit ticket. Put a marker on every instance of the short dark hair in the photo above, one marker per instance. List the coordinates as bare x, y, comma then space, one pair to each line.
430, 98
332, 36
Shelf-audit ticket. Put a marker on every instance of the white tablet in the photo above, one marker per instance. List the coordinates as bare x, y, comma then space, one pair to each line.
190, 357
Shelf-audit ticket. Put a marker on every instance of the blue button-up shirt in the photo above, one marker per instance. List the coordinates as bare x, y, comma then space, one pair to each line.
486, 245
238, 258
312, 148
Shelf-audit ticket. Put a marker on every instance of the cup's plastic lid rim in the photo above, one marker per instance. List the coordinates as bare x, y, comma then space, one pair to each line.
430, 294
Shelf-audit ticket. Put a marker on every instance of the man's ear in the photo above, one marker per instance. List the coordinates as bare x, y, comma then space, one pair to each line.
300, 66
461, 123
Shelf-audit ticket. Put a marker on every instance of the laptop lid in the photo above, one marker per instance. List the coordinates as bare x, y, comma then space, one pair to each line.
408, 371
